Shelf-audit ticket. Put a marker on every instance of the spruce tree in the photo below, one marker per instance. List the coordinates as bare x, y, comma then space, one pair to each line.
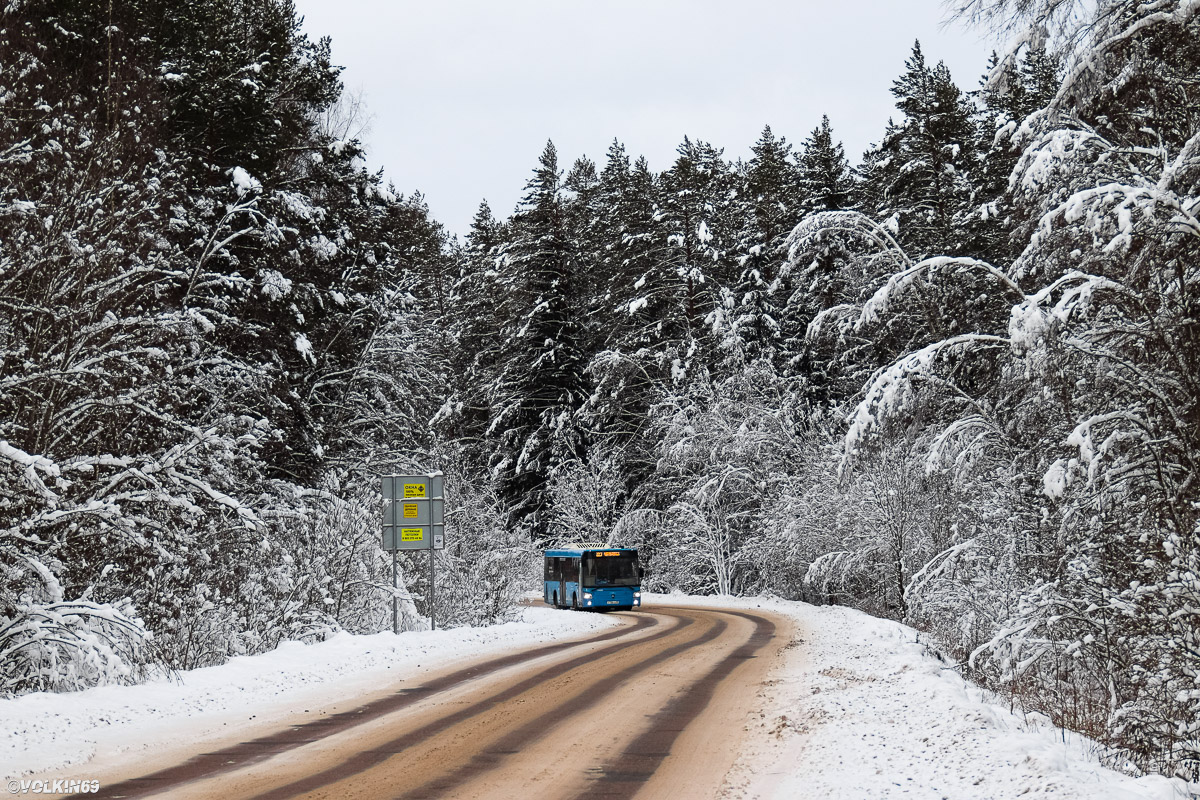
699, 212
476, 313
1011, 91
540, 382
587, 226
825, 176
635, 300
772, 188
926, 158
637, 283
772, 207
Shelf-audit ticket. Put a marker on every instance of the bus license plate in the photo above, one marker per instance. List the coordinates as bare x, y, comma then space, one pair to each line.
612, 602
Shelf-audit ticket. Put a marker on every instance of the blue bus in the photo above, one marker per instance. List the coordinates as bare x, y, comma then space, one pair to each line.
593, 577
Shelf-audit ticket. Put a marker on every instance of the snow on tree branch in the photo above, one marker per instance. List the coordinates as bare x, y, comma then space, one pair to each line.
899, 282
890, 392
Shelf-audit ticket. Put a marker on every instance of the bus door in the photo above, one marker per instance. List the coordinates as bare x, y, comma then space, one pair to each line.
562, 580
570, 574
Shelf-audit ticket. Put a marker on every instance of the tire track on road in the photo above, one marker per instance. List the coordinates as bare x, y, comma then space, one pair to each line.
243, 754
625, 776
540, 727
367, 759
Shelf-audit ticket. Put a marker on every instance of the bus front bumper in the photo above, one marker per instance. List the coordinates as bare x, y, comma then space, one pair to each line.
611, 598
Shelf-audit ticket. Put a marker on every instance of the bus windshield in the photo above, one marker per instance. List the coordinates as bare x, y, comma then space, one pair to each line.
620, 570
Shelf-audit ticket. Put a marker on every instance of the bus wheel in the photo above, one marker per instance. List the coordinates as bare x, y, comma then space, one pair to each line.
574, 602
556, 599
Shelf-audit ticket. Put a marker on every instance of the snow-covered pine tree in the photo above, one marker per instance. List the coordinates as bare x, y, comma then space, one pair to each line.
924, 160
634, 301
699, 210
1010, 92
540, 383
827, 183
635, 288
920, 180
826, 179
476, 312
587, 230
772, 206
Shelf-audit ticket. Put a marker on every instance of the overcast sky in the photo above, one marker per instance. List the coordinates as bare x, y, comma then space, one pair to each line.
465, 93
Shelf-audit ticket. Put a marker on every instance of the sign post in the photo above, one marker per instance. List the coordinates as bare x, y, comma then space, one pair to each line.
414, 518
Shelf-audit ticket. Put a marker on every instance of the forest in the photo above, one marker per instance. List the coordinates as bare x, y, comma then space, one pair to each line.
954, 381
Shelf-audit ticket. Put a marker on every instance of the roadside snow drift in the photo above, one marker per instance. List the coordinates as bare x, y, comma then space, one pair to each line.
861, 710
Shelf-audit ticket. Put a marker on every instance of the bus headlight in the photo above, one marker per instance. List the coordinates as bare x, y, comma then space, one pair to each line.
637, 594
587, 595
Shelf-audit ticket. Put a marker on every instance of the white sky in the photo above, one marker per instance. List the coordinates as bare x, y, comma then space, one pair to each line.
464, 93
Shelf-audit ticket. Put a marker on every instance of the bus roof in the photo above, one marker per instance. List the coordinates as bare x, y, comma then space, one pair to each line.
568, 552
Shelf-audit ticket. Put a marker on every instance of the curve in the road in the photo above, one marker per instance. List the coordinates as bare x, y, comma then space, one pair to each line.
365, 760
244, 754
489, 741
539, 727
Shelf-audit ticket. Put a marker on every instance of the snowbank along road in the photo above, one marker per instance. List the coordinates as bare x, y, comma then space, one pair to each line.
654, 708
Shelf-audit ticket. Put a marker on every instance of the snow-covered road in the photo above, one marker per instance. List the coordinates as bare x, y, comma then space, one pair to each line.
854, 707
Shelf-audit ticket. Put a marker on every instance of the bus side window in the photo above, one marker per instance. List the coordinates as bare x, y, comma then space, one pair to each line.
548, 569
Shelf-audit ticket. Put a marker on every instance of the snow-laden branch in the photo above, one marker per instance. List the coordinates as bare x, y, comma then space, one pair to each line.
1030, 321
1125, 425
69, 645
39, 463
247, 515
974, 426
17, 153
840, 313
32, 466
1088, 60
1036, 169
900, 282
889, 391
850, 222
937, 566
247, 204
633, 522
1184, 171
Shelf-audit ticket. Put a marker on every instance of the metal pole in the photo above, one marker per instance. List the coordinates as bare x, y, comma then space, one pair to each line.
432, 619
395, 596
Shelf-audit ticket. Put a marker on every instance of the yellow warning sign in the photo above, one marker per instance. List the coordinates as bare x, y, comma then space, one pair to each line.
410, 509
413, 490
412, 534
